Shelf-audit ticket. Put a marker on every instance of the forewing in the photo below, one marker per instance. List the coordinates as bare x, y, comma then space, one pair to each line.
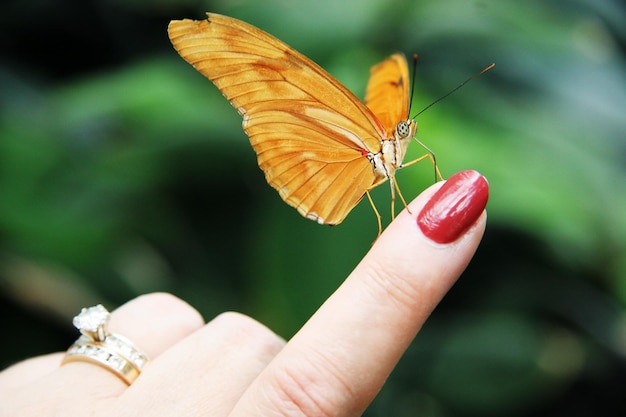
387, 93
310, 133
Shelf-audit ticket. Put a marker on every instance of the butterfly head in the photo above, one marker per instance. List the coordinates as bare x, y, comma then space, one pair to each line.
406, 129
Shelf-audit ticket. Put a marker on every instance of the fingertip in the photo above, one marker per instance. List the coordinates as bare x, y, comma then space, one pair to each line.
454, 207
429, 245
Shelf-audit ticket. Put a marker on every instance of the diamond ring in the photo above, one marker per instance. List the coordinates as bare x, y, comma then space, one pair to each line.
98, 346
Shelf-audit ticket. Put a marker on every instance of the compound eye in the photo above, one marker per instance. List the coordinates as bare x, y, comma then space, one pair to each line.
402, 129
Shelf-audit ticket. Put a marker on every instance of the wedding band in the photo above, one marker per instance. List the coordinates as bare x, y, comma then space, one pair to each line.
98, 346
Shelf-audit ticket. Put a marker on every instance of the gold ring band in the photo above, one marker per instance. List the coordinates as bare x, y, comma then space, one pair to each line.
96, 345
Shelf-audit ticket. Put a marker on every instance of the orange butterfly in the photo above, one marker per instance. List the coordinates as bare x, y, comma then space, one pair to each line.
320, 147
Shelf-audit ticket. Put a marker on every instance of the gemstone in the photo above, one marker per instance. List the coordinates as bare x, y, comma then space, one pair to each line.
139, 360
101, 354
116, 362
126, 350
91, 319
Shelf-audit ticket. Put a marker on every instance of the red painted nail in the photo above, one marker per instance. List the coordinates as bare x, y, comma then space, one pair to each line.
454, 207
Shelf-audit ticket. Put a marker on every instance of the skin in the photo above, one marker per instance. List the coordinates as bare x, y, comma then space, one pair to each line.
235, 366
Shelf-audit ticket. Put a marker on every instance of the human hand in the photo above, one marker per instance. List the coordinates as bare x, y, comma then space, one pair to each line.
234, 366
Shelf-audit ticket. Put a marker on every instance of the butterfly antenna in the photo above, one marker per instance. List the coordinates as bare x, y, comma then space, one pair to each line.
487, 68
415, 58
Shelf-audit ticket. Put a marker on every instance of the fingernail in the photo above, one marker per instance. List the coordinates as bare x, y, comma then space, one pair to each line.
454, 207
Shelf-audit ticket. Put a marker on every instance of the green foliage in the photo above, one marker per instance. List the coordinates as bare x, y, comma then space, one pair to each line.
124, 171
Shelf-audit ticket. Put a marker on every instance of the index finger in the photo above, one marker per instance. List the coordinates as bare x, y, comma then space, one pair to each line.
338, 361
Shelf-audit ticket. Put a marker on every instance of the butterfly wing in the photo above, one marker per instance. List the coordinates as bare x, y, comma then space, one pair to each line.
387, 93
310, 133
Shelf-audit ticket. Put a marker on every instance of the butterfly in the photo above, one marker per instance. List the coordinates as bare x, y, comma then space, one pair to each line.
319, 146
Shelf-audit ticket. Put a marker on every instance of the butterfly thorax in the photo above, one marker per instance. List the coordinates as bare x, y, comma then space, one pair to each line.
392, 150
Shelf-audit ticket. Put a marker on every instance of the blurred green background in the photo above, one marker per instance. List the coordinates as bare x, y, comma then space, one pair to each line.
123, 171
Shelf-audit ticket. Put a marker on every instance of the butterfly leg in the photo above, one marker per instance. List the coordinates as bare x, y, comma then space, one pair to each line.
438, 176
430, 155
396, 188
380, 224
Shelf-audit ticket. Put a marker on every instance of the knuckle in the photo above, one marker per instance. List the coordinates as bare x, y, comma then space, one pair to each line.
176, 309
309, 388
245, 331
393, 284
